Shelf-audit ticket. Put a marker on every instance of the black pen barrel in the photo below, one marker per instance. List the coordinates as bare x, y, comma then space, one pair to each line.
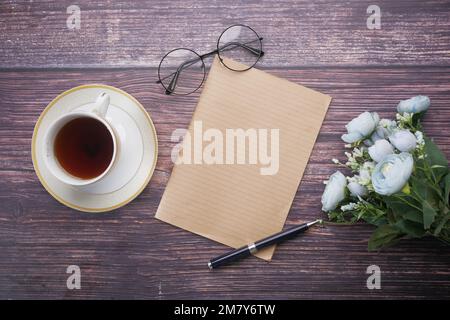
281, 236
228, 257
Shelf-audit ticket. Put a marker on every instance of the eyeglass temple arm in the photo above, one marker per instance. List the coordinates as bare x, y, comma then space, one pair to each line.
173, 83
185, 64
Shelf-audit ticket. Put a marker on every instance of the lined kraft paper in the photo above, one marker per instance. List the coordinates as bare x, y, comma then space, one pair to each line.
235, 204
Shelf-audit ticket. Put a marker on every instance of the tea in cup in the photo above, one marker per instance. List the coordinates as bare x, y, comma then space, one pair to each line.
81, 146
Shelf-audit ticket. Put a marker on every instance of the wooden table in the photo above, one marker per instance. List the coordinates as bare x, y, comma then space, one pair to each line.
324, 45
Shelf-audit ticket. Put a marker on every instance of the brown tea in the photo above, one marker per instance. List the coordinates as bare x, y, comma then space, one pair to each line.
84, 147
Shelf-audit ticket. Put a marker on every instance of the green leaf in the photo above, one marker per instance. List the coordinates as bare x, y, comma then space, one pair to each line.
435, 157
403, 207
403, 211
375, 220
423, 188
412, 229
383, 236
396, 204
413, 215
441, 224
429, 214
447, 188
420, 187
417, 172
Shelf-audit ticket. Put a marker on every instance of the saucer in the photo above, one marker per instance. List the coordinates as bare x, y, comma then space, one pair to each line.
132, 169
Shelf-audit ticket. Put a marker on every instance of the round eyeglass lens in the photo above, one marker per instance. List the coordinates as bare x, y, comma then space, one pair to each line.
241, 44
181, 71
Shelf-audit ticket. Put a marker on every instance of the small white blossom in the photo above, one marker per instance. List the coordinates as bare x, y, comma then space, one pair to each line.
404, 119
349, 207
358, 153
419, 137
365, 173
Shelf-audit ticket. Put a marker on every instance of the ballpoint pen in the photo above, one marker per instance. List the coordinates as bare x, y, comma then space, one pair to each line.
254, 247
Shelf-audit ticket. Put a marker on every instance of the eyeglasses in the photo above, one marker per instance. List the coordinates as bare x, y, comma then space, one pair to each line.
182, 71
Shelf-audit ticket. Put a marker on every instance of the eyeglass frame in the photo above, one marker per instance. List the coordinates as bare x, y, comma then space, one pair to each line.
174, 80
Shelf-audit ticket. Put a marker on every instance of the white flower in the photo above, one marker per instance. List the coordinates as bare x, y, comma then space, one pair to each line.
365, 172
380, 149
403, 140
356, 189
351, 160
360, 127
385, 128
334, 191
358, 152
350, 206
419, 137
416, 104
392, 173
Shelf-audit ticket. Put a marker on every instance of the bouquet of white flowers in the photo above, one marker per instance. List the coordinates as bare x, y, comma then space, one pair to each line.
400, 182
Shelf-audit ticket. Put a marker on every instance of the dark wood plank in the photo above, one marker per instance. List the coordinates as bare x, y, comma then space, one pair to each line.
129, 254
300, 33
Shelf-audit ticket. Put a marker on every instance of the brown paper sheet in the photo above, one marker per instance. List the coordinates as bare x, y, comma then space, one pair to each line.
235, 204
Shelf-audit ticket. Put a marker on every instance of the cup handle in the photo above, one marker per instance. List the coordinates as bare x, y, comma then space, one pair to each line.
101, 105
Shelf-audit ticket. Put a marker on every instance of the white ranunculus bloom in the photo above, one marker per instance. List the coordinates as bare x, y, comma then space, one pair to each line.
380, 149
334, 191
403, 140
356, 189
385, 128
416, 104
361, 127
392, 173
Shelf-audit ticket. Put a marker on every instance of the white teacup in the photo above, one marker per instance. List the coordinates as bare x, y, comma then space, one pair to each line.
97, 112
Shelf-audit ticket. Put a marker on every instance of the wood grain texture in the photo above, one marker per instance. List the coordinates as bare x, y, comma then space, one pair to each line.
296, 33
130, 254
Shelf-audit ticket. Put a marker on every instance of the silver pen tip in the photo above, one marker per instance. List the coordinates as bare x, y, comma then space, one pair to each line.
309, 224
209, 265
